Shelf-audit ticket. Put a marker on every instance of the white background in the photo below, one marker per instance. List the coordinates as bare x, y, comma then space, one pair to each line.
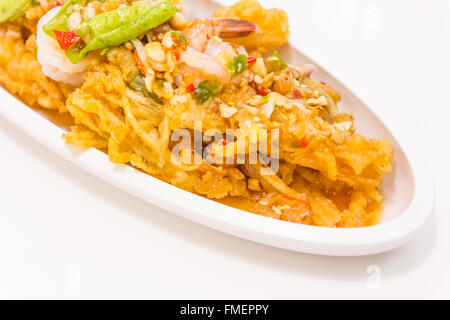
67, 234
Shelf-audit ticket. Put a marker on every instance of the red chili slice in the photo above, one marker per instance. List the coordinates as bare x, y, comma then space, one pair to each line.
262, 91
66, 39
303, 142
297, 94
55, 4
139, 62
251, 60
190, 88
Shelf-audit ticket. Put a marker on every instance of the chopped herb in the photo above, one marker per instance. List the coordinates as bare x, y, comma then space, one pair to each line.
138, 84
180, 38
206, 90
275, 63
238, 65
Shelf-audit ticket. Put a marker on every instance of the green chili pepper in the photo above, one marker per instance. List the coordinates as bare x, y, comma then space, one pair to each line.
10, 10
155, 97
138, 84
110, 29
275, 63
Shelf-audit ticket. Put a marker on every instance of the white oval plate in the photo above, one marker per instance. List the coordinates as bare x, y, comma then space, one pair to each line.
408, 190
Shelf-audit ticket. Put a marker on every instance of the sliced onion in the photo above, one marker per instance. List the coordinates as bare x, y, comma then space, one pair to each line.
140, 51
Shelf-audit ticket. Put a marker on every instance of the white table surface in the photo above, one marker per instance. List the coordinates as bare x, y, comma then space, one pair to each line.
67, 234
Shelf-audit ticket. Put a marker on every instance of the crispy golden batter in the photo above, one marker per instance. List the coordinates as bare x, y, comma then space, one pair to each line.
21, 73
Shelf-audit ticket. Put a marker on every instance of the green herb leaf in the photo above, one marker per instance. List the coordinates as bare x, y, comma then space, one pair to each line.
206, 90
138, 84
180, 37
275, 63
238, 65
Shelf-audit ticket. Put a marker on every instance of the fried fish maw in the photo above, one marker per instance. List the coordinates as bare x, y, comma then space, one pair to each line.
21, 73
273, 23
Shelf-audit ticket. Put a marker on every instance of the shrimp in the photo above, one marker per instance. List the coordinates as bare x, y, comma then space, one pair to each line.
52, 58
204, 47
201, 31
203, 65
